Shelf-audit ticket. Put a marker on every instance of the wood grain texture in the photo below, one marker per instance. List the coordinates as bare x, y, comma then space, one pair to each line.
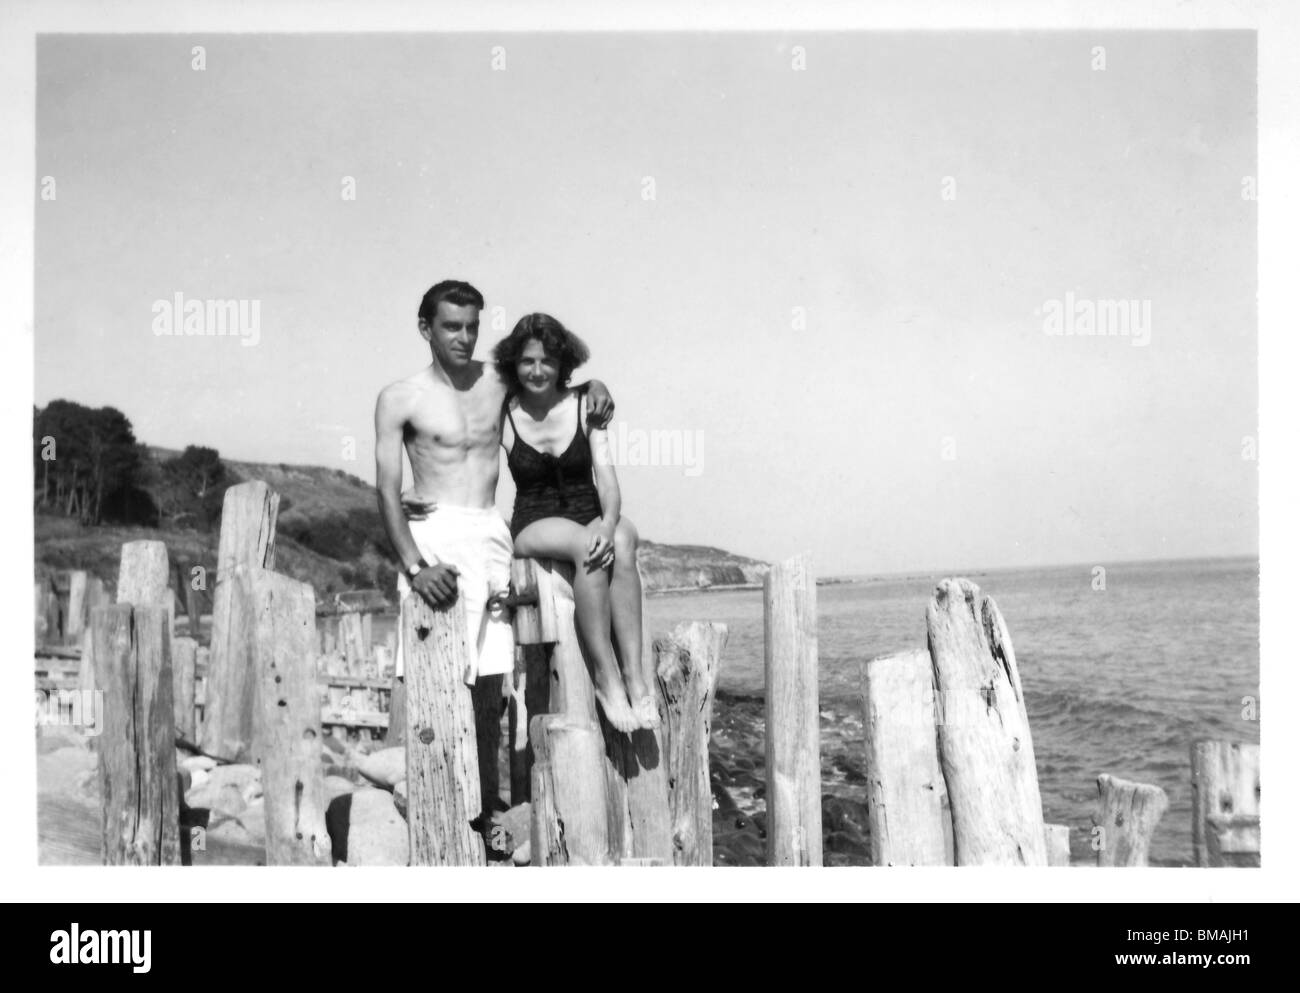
1057, 839
905, 789
639, 774
143, 576
96, 596
687, 673
1128, 814
1225, 786
76, 623
184, 656
985, 748
534, 624
442, 775
288, 729
569, 820
248, 514
794, 812
137, 763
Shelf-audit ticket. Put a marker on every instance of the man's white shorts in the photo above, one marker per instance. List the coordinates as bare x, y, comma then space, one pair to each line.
477, 542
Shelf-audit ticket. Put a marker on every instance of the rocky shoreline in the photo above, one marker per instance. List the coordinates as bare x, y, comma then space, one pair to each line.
737, 757
223, 822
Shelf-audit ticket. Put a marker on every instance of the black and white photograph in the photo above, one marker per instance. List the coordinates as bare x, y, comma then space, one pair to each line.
756, 445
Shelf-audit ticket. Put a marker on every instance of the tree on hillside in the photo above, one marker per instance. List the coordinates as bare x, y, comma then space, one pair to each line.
84, 457
195, 482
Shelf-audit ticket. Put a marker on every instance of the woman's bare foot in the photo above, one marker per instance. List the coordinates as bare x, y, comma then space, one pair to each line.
617, 709
647, 712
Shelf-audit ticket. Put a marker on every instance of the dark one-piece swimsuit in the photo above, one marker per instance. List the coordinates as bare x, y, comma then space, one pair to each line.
552, 485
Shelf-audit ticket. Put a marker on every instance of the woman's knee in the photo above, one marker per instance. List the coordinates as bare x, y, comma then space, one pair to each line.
625, 539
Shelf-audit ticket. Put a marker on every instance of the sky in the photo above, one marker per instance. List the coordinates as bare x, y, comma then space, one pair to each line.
836, 295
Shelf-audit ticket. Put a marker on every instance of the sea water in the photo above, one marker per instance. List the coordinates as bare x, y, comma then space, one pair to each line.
1121, 679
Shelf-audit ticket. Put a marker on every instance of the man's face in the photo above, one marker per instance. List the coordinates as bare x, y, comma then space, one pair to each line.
453, 334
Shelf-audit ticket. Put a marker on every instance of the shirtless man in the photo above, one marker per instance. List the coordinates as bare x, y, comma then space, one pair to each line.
448, 415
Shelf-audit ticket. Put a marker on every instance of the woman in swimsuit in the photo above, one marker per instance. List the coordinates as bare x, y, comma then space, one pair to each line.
567, 506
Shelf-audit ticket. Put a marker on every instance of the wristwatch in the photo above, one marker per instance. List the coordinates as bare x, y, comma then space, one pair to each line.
415, 568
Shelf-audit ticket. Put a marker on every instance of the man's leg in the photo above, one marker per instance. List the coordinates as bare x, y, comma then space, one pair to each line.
488, 701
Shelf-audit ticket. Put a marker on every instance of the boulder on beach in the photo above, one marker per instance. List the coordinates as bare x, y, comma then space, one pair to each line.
52, 737
195, 763
247, 829
228, 789
385, 767
253, 820
366, 829
71, 770
516, 822
337, 786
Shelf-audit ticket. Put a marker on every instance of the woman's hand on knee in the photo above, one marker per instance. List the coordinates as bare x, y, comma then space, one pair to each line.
600, 545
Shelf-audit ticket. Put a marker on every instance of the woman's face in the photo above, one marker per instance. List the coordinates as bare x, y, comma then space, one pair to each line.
537, 371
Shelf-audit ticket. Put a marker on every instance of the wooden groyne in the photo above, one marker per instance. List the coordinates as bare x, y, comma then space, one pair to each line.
949, 755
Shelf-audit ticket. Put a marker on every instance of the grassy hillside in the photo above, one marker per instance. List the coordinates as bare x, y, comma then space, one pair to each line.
329, 534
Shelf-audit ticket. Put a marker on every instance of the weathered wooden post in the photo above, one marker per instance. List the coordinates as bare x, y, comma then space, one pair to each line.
143, 576
794, 811
905, 788
627, 775
442, 775
985, 749
687, 673
42, 621
96, 596
1225, 803
288, 739
193, 609
1127, 816
535, 631
569, 823
535, 620
248, 513
396, 733
585, 771
352, 642
1056, 838
1233, 840
184, 657
137, 754
201, 666
638, 769
51, 621
76, 622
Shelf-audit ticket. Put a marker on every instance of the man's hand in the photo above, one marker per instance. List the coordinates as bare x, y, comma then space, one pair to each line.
417, 508
437, 584
600, 405
600, 546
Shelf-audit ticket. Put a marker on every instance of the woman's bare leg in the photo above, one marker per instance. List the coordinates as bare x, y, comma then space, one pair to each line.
625, 611
557, 538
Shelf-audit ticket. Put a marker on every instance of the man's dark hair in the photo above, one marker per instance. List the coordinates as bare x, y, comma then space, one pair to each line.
455, 291
559, 342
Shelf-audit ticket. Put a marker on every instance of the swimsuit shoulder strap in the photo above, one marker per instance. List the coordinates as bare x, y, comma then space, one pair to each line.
580, 396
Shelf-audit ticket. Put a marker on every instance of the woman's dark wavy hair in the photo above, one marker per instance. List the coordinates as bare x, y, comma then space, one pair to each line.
560, 344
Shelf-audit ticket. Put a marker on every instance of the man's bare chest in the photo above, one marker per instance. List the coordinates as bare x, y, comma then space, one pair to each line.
449, 419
